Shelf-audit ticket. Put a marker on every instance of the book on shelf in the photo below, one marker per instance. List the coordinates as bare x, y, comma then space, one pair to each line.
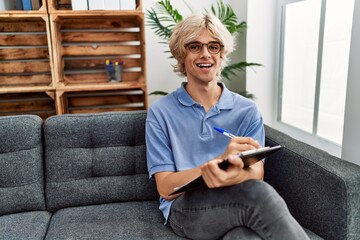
7, 5
79, 5
18, 5
127, 4
96, 4
35, 4
112, 4
26, 5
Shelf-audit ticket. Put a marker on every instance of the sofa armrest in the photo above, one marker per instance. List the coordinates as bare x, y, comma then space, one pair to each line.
321, 191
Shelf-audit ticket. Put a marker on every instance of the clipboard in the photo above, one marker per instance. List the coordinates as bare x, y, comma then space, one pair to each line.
249, 158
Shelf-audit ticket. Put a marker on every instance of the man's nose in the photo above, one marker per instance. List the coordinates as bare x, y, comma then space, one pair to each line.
204, 51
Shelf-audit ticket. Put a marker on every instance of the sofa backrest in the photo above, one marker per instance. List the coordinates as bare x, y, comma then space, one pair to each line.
96, 158
320, 189
21, 164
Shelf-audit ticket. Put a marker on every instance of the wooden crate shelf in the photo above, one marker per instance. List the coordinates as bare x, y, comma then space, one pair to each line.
83, 45
38, 103
25, 51
101, 101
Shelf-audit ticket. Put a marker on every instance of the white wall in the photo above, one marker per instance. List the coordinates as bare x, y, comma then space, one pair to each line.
351, 142
261, 48
159, 71
160, 75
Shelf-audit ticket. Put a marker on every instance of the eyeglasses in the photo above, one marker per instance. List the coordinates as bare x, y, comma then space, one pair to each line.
212, 47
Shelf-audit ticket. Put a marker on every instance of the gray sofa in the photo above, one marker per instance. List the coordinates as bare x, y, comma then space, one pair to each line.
85, 177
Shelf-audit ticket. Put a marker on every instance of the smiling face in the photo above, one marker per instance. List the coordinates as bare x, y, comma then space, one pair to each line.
202, 67
191, 29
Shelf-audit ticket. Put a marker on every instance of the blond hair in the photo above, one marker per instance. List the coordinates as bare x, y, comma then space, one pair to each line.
189, 29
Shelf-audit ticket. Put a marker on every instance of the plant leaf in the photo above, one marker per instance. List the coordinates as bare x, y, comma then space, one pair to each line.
227, 16
240, 66
161, 93
169, 12
163, 18
154, 22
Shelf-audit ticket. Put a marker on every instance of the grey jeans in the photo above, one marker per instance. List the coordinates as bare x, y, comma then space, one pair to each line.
250, 210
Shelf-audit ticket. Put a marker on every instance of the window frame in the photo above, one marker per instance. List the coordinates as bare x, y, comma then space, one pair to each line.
310, 138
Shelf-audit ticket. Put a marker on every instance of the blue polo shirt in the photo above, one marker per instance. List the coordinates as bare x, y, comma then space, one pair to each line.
180, 133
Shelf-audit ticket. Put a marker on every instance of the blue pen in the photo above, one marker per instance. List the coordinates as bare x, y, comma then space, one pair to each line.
224, 132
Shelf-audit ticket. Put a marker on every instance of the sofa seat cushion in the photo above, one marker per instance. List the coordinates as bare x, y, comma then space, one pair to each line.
127, 220
26, 225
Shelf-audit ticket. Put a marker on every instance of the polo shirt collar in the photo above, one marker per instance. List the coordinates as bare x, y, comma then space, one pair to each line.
226, 100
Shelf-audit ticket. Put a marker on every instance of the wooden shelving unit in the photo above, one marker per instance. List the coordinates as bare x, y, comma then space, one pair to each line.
26, 63
70, 48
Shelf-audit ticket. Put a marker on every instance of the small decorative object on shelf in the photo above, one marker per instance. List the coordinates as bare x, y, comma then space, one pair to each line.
119, 69
110, 71
114, 70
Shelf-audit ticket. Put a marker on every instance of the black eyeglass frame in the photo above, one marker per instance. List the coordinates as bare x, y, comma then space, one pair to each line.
202, 45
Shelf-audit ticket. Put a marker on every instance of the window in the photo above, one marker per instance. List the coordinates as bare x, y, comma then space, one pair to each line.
315, 45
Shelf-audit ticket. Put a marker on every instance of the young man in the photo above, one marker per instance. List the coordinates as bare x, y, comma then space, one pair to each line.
182, 145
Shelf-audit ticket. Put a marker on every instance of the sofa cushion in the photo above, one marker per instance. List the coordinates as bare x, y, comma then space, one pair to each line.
96, 158
128, 220
21, 164
27, 225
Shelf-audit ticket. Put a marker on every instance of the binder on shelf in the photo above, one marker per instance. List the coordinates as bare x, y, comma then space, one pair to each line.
26, 5
112, 4
19, 5
7, 5
96, 4
127, 4
35, 4
79, 5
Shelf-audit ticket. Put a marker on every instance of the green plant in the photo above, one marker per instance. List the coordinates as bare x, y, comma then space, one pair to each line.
163, 17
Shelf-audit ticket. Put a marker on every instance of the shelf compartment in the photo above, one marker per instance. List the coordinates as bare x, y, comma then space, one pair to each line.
38, 103
101, 101
65, 5
83, 45
25, 51
59, 5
